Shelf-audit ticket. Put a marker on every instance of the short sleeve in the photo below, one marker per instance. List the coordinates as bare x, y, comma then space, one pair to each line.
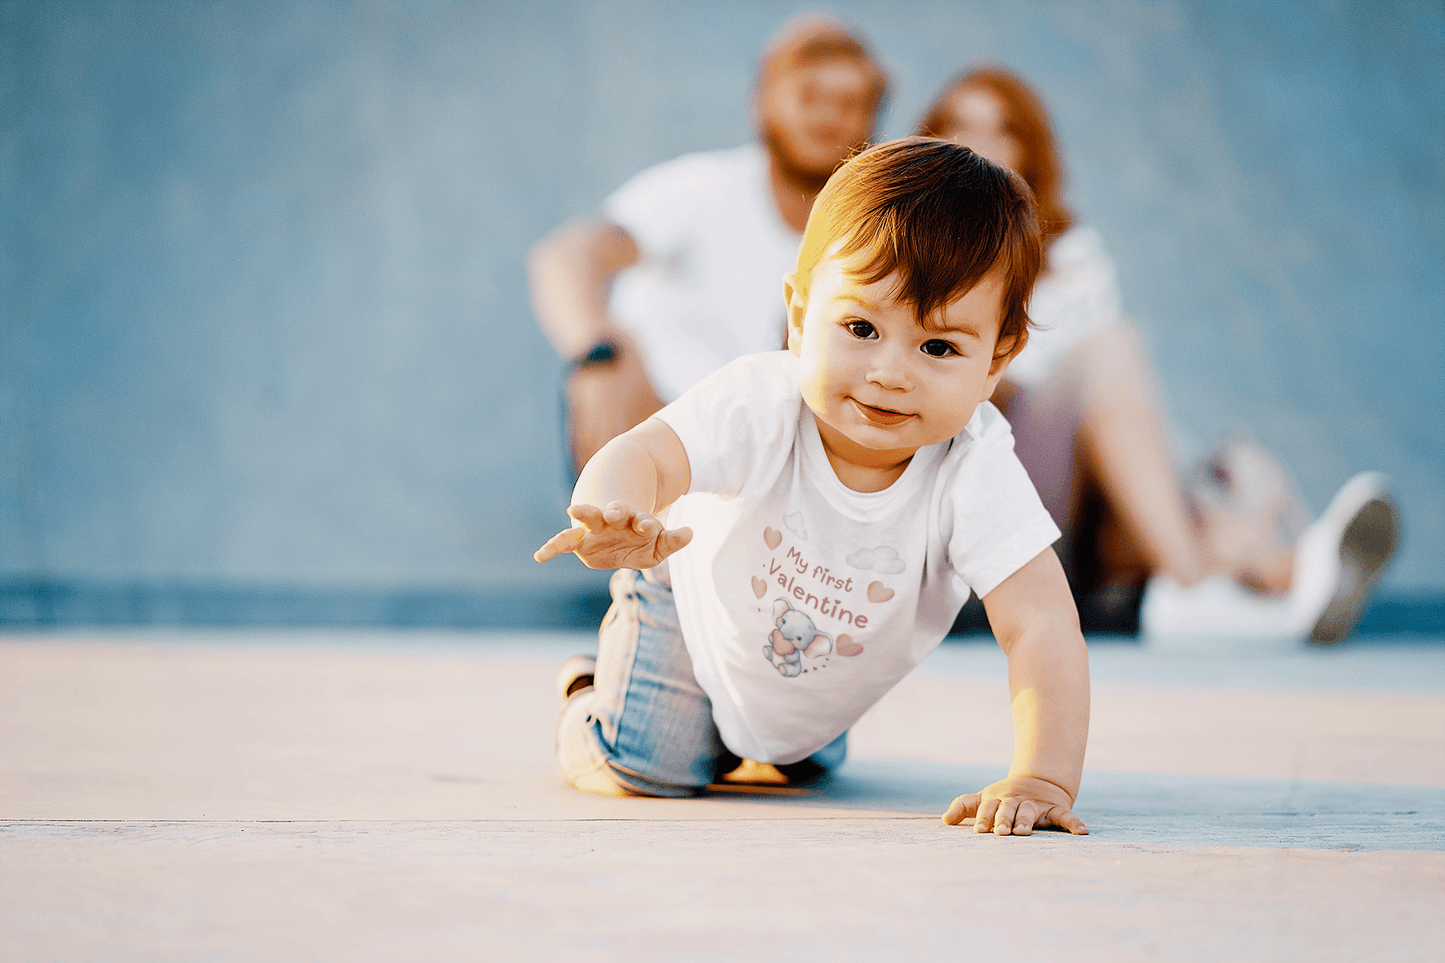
737, 423
995, 523
658, 205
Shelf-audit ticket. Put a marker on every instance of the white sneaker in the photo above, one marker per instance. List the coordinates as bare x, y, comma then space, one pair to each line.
1340, 557
1214, 611
1338, 560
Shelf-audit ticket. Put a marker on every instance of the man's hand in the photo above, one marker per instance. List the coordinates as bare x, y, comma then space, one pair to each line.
1016, 806
614, 537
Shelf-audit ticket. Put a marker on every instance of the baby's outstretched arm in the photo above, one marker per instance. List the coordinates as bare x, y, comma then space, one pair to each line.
639, 472
1037, 626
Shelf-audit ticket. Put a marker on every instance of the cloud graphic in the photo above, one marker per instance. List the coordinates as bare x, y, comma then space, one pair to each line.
794, 522
882, 559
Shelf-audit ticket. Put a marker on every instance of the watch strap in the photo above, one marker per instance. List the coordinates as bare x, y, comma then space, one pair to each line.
603, 352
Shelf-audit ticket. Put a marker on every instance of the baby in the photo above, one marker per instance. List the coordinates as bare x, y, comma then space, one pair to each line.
830, 507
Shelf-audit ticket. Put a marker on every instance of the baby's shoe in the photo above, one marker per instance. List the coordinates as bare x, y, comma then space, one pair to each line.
576, 674
1340, 557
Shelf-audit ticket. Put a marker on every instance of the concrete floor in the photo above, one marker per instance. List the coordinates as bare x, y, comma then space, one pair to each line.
370, 796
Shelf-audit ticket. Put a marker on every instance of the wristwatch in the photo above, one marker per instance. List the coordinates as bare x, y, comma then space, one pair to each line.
604, 352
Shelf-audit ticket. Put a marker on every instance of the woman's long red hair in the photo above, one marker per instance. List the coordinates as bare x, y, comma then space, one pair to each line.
1042, 167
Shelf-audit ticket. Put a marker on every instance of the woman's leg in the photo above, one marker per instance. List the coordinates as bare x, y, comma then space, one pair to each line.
1294, 585
1122, 448
1093, 441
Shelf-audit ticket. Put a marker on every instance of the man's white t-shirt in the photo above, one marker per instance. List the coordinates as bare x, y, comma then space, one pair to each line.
802, 601
714, 249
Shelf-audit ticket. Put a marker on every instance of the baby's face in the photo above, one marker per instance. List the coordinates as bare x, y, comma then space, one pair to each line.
881, 386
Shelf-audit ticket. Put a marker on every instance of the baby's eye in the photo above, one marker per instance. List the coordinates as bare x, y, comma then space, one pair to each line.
937, 349
861, 329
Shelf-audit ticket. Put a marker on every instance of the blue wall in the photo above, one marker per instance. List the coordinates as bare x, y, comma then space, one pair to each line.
267, 339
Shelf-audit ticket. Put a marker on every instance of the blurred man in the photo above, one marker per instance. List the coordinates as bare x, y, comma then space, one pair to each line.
683, 270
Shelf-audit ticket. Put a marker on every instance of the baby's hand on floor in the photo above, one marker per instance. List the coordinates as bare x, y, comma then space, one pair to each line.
1016, 806
614, 537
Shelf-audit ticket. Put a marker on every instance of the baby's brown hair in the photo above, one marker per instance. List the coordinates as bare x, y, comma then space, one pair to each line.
939, 216
1042, 163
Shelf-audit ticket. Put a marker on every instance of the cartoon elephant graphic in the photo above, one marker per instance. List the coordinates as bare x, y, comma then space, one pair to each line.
795, 637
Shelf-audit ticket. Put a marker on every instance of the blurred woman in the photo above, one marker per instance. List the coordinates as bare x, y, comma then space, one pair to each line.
1236, 553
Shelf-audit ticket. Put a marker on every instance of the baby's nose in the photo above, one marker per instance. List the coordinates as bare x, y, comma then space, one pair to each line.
890, 370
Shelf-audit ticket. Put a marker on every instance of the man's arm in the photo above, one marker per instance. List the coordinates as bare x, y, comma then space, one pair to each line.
1037, 626
571, 272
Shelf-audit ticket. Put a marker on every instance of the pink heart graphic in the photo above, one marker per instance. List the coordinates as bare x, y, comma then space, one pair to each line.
759, 587
772, 537
878, 592
847, 647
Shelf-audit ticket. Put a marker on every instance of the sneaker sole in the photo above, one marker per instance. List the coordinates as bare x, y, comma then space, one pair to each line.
1366, 547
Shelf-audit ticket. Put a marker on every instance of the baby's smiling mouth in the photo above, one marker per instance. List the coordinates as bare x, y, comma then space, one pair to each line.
880, 416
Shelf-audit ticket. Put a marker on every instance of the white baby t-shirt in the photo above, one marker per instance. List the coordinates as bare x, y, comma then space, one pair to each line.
802, 601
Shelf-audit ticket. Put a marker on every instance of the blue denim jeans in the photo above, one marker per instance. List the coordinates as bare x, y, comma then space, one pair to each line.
645, 726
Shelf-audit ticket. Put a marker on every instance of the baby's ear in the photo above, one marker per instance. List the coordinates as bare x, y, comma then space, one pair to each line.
1008, 348
996, 370
796, 302
1005, 351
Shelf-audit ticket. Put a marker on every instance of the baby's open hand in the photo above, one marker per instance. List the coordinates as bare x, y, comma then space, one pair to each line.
1016, 806
614, 537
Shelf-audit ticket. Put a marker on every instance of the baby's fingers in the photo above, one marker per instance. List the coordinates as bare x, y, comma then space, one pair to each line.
646, 525
589, 516
961, 808
1029, 815
1065, 819
1010, 812
987, 810
671, 541
562, 543
619, 515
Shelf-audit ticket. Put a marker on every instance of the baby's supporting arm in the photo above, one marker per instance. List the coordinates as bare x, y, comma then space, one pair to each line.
636, 474
1037, 626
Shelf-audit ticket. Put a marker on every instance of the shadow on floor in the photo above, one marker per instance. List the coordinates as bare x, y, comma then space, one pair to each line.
1156, 809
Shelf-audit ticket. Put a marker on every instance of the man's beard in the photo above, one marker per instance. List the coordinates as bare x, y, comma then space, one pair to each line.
809, 180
